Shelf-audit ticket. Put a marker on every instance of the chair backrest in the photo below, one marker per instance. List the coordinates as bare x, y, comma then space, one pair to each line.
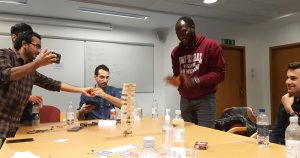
49, 113
237, 117
249, 112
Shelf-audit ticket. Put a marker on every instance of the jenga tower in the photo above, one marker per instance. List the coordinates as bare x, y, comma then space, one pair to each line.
128, 98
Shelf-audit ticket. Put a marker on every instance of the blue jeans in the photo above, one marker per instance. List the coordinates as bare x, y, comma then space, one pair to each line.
201, 111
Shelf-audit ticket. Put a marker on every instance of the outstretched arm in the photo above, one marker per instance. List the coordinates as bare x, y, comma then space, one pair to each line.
69, 88
45, 58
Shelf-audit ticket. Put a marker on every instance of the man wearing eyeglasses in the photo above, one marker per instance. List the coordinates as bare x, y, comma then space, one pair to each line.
33, 99
18, 75
108, 98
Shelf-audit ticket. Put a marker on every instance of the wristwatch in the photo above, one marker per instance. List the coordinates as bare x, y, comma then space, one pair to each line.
195, 81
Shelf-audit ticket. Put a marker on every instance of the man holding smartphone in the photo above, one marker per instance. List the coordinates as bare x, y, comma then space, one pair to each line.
106, 99
18, 75
33, 99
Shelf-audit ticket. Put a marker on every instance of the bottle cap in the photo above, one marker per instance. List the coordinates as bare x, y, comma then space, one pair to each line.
35, 108
167, 110
149, 142
177, 112
294, 119
262, 110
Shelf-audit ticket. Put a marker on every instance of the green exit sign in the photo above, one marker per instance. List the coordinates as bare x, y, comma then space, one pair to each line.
228, 41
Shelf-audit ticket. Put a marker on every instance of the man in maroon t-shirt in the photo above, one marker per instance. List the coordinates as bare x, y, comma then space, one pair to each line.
198, 67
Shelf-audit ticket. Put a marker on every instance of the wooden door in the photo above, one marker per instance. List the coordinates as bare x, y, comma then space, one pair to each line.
280, 57
232, 91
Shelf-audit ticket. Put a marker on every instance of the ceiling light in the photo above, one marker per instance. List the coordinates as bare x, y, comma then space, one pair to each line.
113, 13
209, 1
55, 22
284, 16
14, 1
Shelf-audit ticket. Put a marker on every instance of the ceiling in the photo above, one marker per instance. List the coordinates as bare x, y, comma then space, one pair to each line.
162, 13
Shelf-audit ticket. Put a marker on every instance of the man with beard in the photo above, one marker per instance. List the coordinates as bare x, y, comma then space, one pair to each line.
108, 98
33, 99
18, 75
198, 67
290, 104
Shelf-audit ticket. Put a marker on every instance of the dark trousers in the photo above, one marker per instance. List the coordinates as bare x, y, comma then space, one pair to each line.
201, 111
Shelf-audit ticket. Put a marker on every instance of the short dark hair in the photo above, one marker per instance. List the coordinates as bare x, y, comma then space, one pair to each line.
294, 65
188, 20
25, 36
103, 67
20, 27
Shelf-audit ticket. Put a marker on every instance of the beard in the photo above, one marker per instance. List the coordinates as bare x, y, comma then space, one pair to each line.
103, 85
29, 55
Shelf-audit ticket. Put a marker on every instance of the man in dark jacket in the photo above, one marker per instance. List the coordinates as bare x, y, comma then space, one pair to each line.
290, 104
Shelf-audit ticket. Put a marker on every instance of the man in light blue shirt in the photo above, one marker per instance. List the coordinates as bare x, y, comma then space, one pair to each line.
108, 98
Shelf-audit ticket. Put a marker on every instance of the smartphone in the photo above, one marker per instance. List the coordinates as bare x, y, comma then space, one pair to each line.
58, 56
75, 129
89, 104
19, 140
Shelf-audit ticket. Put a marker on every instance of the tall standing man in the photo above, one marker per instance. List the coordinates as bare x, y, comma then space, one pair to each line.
290, 104
108, 97
198, 67
18, 75
33, 99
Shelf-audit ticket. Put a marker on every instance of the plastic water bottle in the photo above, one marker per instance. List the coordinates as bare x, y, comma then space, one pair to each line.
149, 148
70, 116
178, 130
154, 109
35, 115
167, 131
292, 138
262, 128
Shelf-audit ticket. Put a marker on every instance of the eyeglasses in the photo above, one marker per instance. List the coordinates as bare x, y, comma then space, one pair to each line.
38, 46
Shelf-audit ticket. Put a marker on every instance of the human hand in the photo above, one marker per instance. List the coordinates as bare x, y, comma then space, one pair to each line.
36, 99
187, 80
89, 91
287, 102
86, 108
46, 58
173, 80
99, 92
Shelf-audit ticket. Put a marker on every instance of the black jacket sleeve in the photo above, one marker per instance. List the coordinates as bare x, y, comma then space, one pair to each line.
277, 134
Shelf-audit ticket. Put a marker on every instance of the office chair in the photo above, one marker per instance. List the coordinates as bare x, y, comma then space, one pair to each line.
238, 120
49, 113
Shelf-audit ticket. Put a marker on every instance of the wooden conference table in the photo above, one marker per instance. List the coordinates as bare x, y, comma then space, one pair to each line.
86, 142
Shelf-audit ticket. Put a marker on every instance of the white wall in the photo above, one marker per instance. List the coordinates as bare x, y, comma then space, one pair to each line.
131, 35
256, 38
